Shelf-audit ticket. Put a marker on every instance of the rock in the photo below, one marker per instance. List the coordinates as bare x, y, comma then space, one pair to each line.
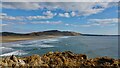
14, 58
34, 60
49, 53
83, 56
104, 60
15, 65
4, 64
6, 60
10, 63
45, 59
45, 66
65, 59
68, 54
21, 62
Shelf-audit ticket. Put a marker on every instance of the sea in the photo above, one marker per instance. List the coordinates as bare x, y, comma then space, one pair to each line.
92, 46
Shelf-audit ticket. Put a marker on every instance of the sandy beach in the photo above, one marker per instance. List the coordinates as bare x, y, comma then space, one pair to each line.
5, 39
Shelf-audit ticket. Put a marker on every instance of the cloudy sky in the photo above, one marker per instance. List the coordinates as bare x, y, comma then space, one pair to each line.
83, 17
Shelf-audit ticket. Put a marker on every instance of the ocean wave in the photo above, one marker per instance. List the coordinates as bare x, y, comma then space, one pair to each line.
65, 37
13, 45
6, 49
29, 45
40, 45
18, 52
36, 42
31, 42
45, 46
49, 40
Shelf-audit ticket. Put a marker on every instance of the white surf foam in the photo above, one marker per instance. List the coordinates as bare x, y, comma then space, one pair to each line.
13, 45
18, 52
46, 46
6, 49
41, 45
21, 45
49, 40
65, 37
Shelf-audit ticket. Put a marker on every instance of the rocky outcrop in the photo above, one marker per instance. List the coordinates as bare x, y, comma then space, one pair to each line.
65, 59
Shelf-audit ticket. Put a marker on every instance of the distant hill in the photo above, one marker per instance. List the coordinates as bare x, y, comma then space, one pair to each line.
97, 35
50, 32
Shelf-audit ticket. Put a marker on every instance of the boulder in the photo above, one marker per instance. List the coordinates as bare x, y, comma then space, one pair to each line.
65, 59
14, 58
21, 62
104, 60
34, 60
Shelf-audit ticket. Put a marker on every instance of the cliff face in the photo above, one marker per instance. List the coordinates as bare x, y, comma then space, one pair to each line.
51, 32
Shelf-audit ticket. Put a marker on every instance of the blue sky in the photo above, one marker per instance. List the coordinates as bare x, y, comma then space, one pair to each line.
89, 17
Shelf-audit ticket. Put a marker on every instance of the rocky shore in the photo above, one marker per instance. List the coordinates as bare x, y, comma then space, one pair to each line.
65, 59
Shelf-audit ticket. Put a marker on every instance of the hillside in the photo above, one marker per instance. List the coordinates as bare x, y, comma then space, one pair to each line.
50, 32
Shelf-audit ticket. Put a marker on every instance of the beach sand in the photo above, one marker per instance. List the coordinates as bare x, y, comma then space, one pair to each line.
5, 39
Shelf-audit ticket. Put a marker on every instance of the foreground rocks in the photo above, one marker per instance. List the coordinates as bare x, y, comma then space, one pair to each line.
65, 59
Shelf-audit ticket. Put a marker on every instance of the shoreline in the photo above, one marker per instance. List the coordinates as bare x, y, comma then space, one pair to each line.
7, 39
60, 59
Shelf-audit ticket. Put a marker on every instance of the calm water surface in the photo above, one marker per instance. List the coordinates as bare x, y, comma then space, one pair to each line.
93, 46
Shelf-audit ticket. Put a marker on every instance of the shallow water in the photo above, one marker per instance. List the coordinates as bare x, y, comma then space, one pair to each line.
93, 46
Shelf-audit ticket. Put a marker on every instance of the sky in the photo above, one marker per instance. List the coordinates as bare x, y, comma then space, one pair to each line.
83, 17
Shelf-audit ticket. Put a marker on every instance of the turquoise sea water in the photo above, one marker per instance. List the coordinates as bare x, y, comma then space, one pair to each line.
93, 46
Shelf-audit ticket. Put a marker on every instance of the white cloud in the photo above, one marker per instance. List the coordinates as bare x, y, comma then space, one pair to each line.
47, 22
118, 11
9, 18
87, 25
73, 14
2, 25
33, 22
38, 17
47, 15
83, 8
64, 15
60, 0
104, 21
101, 22
97, 22
22, 22
74, 25
21, 5
4, 16
60, 14
67, 24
